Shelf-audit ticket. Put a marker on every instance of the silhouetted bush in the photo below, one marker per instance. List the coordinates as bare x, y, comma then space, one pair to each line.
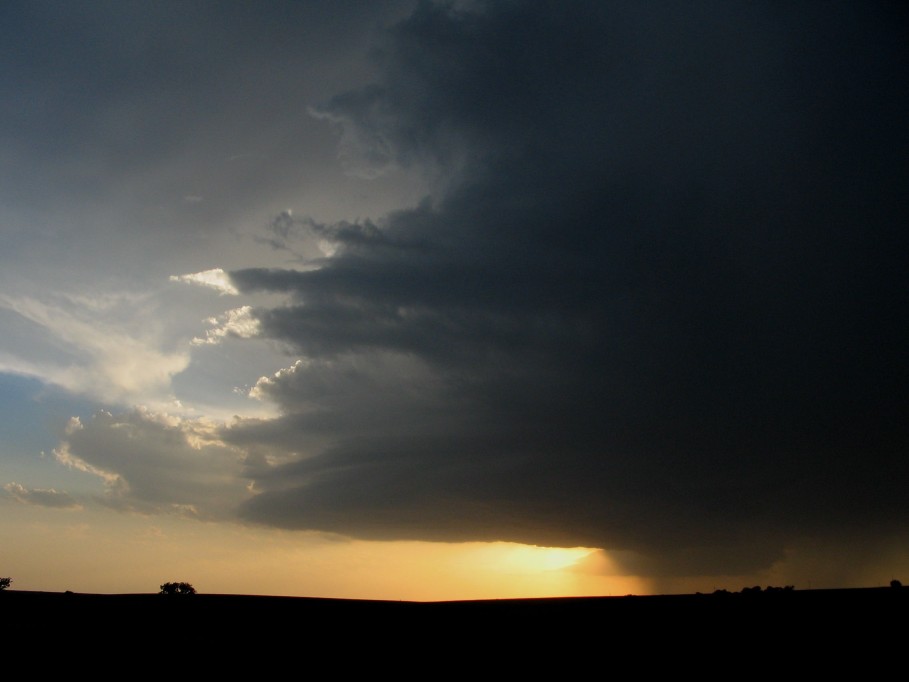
5, 582
770, 589
177, 588
895, 583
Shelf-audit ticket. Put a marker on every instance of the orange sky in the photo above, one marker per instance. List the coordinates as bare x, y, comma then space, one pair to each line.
100, 552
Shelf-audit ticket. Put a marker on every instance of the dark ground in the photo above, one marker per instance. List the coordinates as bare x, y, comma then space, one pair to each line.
220, 612
855, 631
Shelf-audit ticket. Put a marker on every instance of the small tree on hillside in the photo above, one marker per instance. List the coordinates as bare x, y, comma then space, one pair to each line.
5, 582
177, 588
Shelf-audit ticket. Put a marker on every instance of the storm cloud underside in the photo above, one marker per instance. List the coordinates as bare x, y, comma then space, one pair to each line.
655, 300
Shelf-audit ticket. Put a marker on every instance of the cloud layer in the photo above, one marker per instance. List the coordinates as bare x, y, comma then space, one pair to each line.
152, 463
657, 302
654, 300
45, 497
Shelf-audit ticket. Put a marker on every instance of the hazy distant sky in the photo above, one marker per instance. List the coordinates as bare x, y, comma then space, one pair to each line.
398, 299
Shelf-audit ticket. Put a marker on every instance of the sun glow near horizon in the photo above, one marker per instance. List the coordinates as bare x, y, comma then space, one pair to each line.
536, 558
141, 552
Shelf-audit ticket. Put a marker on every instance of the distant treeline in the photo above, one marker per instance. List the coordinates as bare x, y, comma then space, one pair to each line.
757, 589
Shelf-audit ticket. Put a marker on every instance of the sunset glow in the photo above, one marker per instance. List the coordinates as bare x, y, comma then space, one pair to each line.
442, 299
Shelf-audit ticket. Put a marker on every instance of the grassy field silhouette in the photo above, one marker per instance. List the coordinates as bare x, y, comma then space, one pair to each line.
215, 612
763, 633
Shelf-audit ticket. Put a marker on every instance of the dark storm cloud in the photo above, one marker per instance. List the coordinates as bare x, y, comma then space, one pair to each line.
660, 306
286, 232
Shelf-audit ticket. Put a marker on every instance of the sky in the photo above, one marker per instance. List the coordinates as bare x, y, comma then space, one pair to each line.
423, 300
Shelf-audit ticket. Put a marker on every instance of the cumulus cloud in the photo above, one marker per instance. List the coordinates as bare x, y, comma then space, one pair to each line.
215, 279
41, 497
659, 306
237, 323
155, 463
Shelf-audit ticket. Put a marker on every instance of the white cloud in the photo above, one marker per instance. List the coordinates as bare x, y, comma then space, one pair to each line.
238, 323
213, 279
265, 384
110, 354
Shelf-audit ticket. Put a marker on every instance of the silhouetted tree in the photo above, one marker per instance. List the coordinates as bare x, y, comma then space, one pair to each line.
177, 588
5, 582
895, 583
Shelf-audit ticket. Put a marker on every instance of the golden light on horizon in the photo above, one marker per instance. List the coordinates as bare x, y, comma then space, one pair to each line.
532, 558
93, 552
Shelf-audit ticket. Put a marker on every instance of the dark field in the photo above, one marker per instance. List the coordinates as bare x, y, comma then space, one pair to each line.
764, 619
859, 633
